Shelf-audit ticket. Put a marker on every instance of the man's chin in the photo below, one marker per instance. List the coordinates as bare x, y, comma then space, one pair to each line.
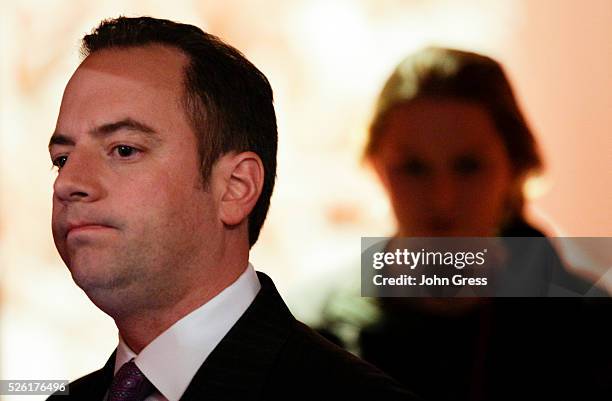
110, 294
92, 274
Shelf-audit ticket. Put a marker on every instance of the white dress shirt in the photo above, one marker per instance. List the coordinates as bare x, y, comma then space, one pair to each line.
172, 359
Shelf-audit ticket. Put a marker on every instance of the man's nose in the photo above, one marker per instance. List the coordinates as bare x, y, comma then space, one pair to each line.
79, 179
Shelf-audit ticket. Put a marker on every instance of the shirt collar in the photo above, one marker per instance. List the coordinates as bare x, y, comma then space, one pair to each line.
188, 342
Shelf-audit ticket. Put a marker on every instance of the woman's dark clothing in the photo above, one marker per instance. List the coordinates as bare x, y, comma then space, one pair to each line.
494, 348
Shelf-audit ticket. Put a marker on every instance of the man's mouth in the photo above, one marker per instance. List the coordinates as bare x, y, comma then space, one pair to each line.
86, 227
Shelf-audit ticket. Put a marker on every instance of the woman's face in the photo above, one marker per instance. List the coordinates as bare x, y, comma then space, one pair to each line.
445, 168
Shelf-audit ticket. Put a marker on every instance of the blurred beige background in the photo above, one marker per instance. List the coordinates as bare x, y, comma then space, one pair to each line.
326, 61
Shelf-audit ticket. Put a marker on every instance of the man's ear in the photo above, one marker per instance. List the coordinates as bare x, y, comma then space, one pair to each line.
241, 184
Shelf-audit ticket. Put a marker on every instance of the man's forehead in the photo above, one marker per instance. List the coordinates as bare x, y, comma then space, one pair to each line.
155, 65
141, 83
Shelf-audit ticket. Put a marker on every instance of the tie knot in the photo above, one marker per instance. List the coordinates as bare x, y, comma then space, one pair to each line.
129, 384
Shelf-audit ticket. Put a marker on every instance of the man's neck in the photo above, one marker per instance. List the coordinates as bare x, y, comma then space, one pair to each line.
141, 327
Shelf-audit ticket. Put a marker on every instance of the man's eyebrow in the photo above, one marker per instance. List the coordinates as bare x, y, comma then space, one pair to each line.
105, 129
126, 123
60, 139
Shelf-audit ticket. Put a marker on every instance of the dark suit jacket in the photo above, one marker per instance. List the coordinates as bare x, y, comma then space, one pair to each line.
268, 355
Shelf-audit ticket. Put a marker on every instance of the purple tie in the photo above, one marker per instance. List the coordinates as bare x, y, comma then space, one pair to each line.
129, 384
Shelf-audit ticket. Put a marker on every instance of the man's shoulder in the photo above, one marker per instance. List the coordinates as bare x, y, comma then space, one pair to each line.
269, 355
318, 367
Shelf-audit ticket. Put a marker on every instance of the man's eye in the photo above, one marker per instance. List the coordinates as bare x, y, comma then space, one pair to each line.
60, 161
125, 150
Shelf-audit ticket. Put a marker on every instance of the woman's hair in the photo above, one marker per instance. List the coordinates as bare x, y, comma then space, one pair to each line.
453, 74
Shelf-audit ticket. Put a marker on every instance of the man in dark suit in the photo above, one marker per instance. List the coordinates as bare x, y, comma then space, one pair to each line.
165, 146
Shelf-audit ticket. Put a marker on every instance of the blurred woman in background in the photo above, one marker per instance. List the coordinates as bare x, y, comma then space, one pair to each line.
451, 147
453, 151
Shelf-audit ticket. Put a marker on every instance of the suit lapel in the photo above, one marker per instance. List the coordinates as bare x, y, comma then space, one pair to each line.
238, 367
94, 385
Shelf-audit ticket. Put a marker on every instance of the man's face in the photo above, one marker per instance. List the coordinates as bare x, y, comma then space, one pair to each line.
131, 219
